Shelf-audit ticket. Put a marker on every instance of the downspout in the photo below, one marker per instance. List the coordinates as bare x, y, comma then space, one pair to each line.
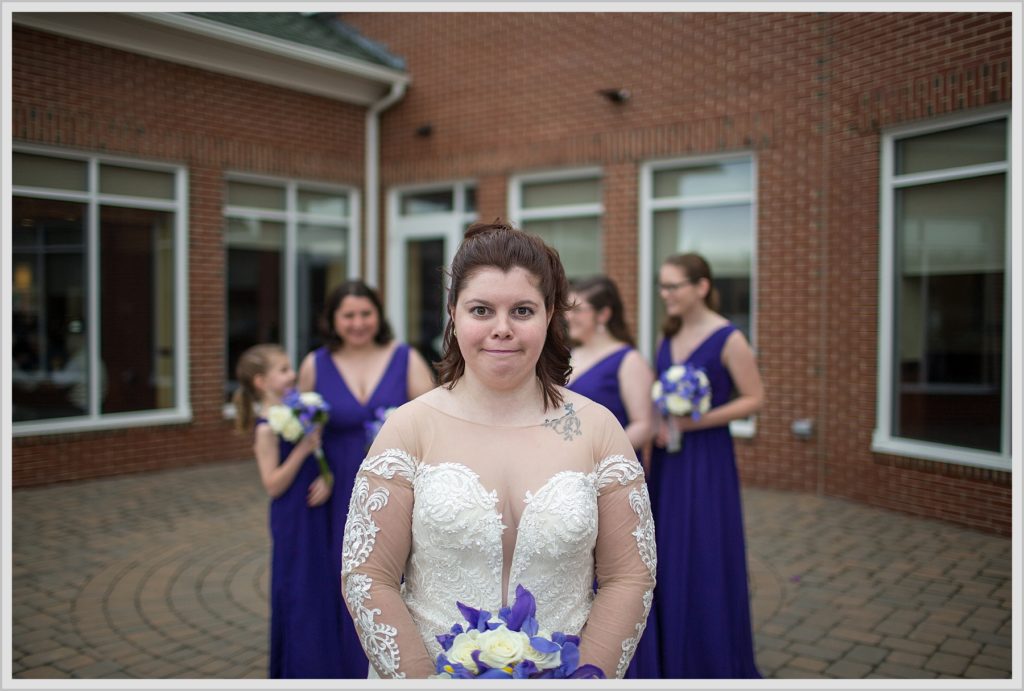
372, 180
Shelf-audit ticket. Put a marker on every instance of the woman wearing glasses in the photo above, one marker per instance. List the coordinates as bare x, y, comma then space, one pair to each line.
700, 623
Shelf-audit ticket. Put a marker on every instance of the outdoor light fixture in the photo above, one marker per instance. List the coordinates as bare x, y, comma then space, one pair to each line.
425, 130
617, 95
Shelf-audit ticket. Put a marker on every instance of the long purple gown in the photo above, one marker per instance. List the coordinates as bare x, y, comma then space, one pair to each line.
701, 622
345, 442
305, 619
600, 383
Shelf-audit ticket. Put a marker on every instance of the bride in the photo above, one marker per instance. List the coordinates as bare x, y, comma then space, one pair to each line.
500, 477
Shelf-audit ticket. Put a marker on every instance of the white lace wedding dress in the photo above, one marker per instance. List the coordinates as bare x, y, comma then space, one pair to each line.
465, 512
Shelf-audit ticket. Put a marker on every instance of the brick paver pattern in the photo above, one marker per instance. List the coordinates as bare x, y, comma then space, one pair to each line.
165, 575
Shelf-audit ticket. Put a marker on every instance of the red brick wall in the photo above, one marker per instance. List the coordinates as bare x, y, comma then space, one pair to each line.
807, 93
94, 99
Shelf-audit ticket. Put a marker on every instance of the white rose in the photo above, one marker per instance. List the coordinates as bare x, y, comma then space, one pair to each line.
462, 649
657, 390
544, 660
674, 373
311, 398
503, 647
677, 405
292, 429
705, 404
278, 416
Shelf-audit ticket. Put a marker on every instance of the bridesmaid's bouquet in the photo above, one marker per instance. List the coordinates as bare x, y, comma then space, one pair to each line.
373, 425
296, 415
681, 390
513, 646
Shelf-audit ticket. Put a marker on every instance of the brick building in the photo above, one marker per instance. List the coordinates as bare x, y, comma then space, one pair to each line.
847, 174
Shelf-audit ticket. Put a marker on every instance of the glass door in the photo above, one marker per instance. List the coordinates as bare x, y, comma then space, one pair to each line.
425, 226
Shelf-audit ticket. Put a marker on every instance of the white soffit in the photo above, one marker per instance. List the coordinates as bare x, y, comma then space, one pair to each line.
221, 48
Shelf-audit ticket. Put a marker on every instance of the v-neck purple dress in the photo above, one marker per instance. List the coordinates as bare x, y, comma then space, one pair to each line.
345, 442
700, 622
600, 383
305, 621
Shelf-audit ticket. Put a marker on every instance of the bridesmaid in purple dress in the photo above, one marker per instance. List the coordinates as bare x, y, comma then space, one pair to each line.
608, 369
362, 372
605, 366
305, 624
701, 602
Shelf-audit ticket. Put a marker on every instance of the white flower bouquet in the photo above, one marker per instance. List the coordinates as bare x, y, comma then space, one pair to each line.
681, 390
295, 416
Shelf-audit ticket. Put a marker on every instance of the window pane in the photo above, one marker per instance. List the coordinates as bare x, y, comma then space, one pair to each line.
414, 203
716, 178
31, 170
724, 236
545, 194
323, 204
322, 261
255, 252
470, 199
256, 196
137, 308
578, 241
964, 146
949, 317
424, 296
48, 307
136, 182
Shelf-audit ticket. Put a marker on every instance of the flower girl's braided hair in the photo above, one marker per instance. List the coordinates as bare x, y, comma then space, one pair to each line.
694, 267
253, 362
499, 245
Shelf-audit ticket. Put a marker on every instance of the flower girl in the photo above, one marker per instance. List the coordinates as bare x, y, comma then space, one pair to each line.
305, 603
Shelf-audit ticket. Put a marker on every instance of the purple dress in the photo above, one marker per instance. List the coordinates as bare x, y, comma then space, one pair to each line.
345, 443
701, 615
600, 383
305, 600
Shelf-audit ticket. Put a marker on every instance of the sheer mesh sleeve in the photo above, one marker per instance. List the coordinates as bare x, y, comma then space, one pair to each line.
625, 558
376, 546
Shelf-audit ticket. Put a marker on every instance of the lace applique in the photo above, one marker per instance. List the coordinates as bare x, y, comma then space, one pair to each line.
360, 534
617, 469
390, 461
640, 502
568, 425
378, 639
554, 550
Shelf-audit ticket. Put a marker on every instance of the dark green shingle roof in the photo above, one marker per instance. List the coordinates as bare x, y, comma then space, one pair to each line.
321, 30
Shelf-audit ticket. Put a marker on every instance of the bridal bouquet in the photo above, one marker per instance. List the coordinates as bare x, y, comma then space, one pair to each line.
681, 390
296, 415
513, 646
373, 425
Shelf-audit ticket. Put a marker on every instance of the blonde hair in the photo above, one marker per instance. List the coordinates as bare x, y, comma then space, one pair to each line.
255, 361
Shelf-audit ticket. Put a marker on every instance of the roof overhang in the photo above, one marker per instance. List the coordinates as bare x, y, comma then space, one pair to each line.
217, 47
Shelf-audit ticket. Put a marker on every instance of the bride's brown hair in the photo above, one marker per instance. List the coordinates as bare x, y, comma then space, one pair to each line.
500, 246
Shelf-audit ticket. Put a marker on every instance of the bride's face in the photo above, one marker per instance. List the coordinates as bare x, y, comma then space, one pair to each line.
500, 326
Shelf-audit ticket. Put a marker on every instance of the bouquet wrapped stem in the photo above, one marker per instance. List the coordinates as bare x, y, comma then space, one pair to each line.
325, 471
675, 435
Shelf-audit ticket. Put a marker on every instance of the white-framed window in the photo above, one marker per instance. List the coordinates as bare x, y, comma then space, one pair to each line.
425, 225
288, 244
706, 205
99, 292
944, 299
565, 208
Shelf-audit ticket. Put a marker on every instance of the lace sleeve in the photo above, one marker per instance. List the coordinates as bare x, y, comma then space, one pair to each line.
376, 546
626, 563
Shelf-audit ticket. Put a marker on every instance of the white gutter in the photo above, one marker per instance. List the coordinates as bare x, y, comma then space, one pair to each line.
372, 180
